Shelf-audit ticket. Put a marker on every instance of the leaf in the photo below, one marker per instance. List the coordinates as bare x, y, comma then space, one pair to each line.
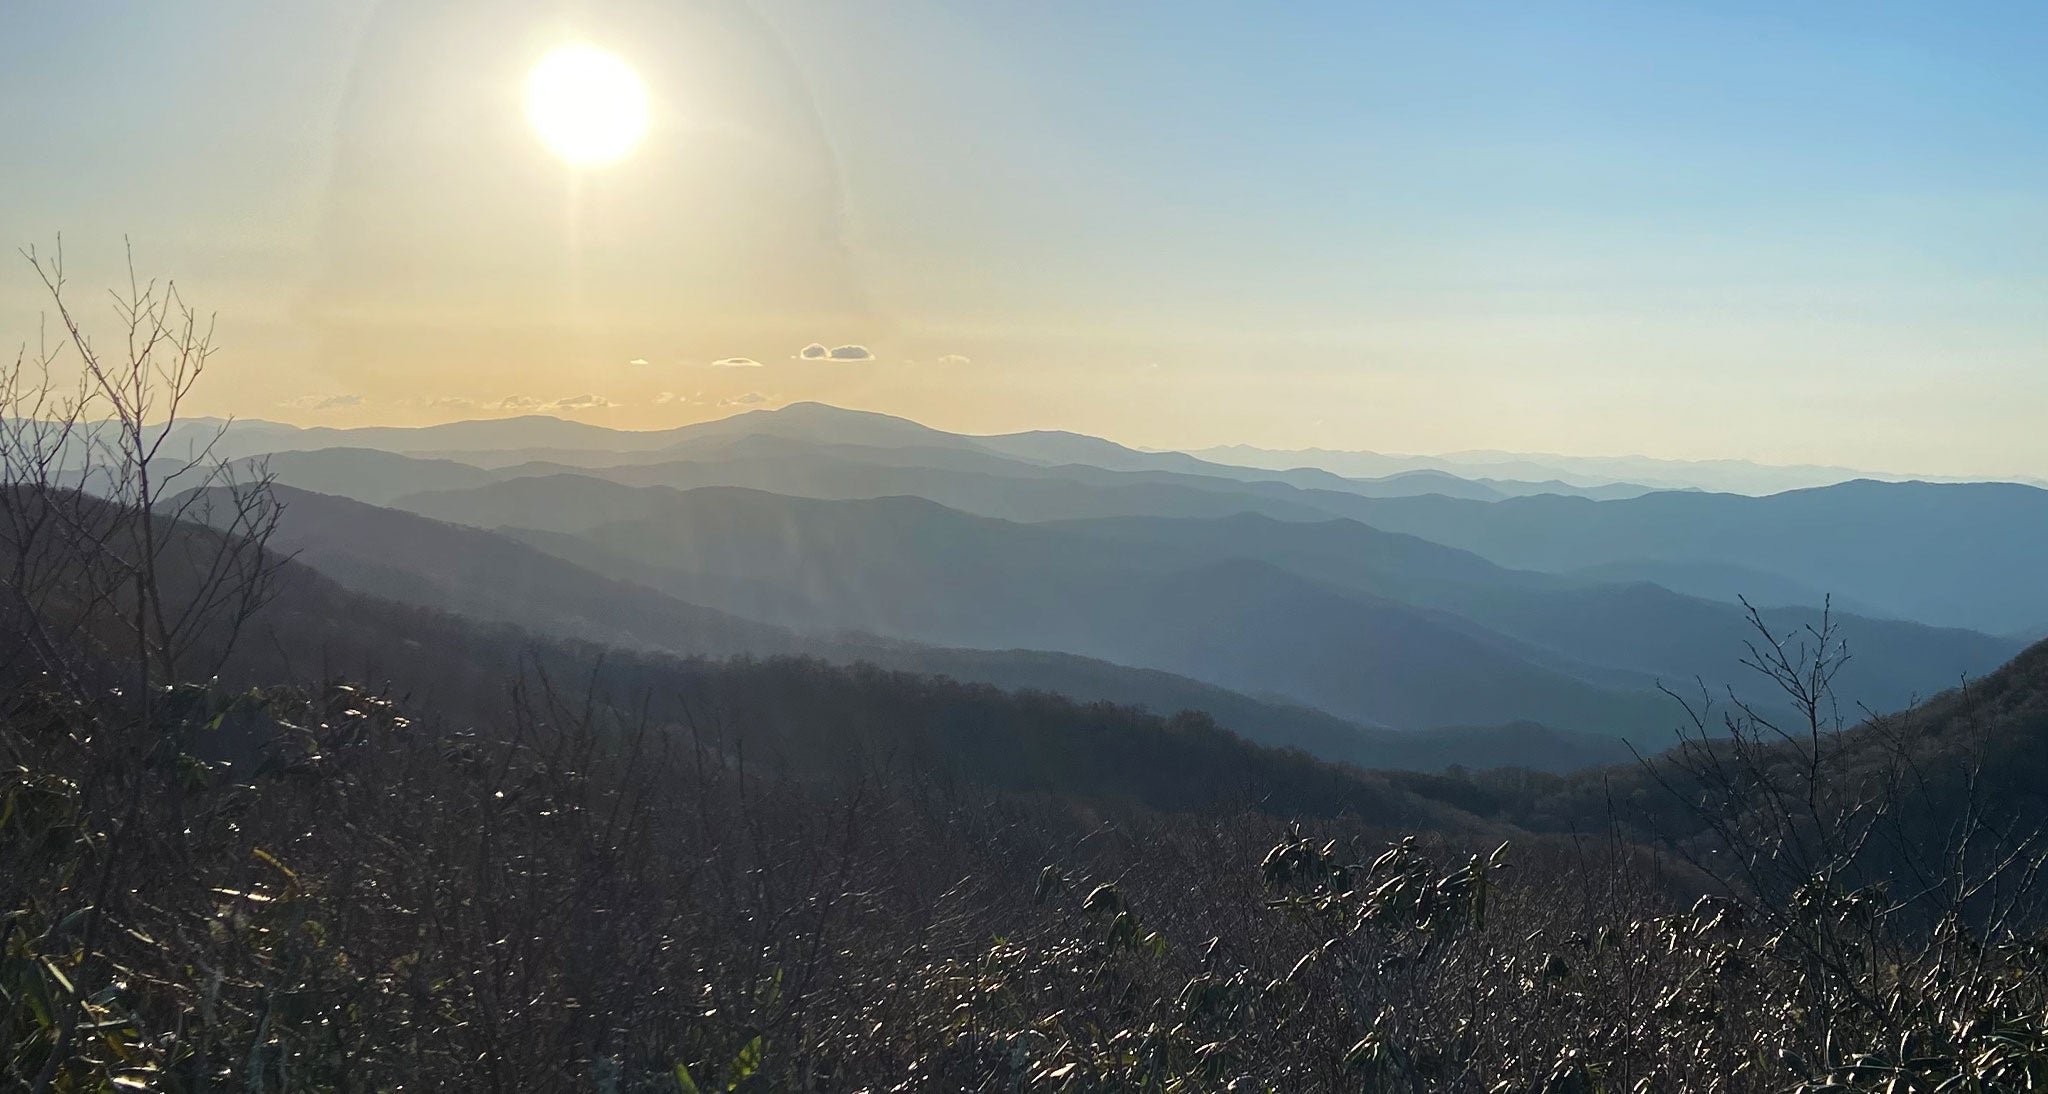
683, 1081
1364, 1052
57, 974
266, 857
744, 1064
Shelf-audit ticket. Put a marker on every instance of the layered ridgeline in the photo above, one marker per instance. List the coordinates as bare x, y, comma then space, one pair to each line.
1303, 588
1865, 542
493, 577
1941, 553
481, 631
1590, 474
1369, 625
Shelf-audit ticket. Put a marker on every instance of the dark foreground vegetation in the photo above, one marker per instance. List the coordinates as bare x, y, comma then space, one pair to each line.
510, 865
308, 890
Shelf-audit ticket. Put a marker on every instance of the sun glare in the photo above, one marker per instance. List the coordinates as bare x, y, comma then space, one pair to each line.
588, 105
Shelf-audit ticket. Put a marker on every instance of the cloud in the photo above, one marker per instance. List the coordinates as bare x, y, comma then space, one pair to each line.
322, 402
817, 351
581, 402
667, 397
572, 402
954, 359
450, 402
736, 362
751, 398
638, 361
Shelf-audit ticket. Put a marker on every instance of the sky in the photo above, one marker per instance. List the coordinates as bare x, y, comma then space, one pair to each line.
1798, 233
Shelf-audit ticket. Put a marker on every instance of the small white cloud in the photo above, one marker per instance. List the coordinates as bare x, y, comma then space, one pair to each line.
450, 402
736, 362
642, 361
750, 398
516, 402
322, 402
582, 402
954, 359
818, 351
665, 398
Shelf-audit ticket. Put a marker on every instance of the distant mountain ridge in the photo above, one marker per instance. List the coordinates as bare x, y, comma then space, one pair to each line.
542, 438
1506, 473
1376, 626
1724, 475
1948, 554
491, 578
1417, 600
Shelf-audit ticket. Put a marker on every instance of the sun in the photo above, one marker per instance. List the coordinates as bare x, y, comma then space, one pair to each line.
587, 104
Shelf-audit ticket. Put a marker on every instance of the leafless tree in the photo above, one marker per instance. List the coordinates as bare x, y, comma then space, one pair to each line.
134, 556
1865, 869
107, 486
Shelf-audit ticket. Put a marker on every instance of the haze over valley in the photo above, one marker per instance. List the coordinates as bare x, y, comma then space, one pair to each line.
1415, 602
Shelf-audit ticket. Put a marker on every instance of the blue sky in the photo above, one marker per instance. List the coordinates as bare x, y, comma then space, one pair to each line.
1808, 232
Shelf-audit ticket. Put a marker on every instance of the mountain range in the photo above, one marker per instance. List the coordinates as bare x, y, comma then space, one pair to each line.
1595, 472
1418, 618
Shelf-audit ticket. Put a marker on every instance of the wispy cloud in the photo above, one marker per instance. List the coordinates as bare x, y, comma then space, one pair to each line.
736, 362
638, 361
450, 402
322, 402
665, 398
954, 359
570, 402
750, 398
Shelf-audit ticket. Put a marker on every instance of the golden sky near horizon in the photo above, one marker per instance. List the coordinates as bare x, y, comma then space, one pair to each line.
1739, 234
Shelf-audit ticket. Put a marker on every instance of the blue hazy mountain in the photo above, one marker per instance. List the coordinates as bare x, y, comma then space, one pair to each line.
1428, 627
1953, 554
494, 578
1418, 599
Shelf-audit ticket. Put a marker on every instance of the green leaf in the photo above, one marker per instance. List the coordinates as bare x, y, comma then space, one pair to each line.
744, 1064
683, 1081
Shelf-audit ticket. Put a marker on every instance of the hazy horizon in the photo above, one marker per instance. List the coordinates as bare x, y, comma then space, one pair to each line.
1477, 464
